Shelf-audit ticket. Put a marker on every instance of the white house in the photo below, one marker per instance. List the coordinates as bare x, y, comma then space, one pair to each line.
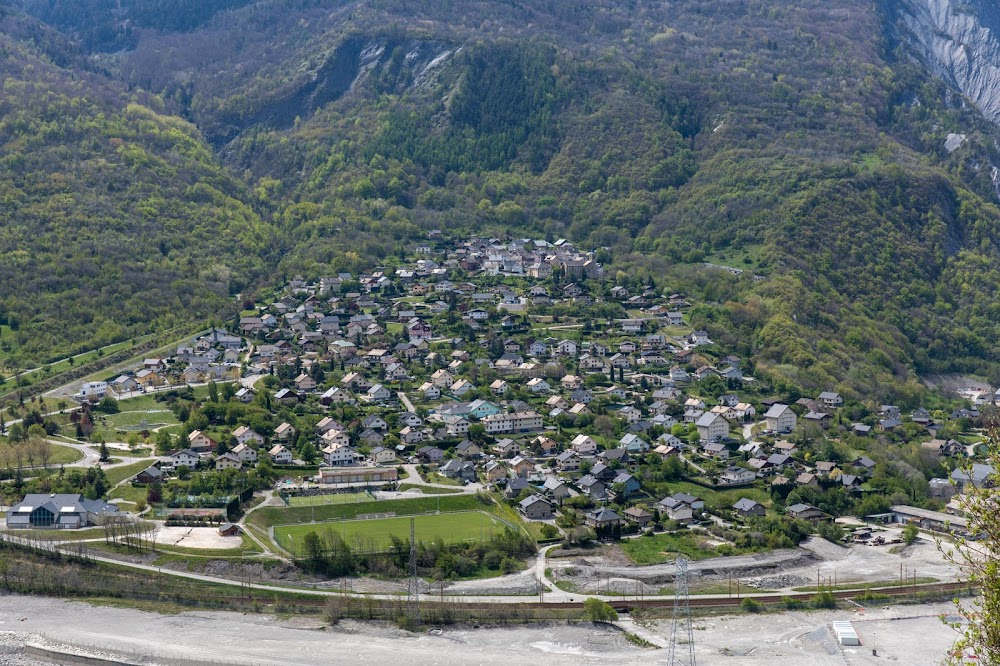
780, 418
246, 454
712, 427
280, 455
244, 435
461, 387
429, 391
338, 456
584, 445
377, 393
185, 457
538, 385
284, 432
93, 390
228, 461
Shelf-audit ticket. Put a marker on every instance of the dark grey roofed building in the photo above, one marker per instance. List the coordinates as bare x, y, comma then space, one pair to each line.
57, 512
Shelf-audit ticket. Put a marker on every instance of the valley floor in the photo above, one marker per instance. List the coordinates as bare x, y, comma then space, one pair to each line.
901, 634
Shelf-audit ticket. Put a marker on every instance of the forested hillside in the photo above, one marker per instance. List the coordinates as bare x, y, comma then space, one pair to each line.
116, 218
795, 141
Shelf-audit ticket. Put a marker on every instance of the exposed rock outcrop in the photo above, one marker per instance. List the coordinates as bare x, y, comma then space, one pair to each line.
957, 40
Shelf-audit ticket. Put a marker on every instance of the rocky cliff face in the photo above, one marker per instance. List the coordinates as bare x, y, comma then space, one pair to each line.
959, 40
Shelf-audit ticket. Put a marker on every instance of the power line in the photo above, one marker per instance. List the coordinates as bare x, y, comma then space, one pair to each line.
413, 588
681, 628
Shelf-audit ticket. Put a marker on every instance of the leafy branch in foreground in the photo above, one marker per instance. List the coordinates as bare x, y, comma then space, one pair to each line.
976, 553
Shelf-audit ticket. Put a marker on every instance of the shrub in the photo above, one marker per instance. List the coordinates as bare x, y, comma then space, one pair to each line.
596, 610
752, 606
824, 599
509, 565
492, 560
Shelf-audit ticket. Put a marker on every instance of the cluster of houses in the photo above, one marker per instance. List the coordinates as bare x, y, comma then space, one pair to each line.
441, 363
212, 356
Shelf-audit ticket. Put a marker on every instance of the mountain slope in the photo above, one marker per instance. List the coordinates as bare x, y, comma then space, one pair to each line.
117, 219
801, 142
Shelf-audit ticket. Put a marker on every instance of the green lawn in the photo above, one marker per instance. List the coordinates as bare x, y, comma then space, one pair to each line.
428, 490
374, 535
291, 515
141, 403
60, 455
61, 535
118, 474
746, 258
87, 357
339, 498
665, 547
128, 493
64, 455
434, 477
116, 427
721, 498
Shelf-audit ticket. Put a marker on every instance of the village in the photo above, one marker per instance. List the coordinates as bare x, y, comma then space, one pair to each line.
517, 370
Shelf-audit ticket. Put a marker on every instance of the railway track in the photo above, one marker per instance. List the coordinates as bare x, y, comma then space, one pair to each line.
627, 605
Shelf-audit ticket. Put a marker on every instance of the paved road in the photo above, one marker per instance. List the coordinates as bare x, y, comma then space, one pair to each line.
553, 597
406, 401
173, 387
556, 594
270, 499
692, 463
748, 429
416, 480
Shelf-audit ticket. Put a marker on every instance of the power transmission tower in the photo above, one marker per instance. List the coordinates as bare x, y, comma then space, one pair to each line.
681, 629
413, 589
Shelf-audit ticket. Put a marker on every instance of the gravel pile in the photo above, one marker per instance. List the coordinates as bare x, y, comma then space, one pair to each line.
13, 643
778, 582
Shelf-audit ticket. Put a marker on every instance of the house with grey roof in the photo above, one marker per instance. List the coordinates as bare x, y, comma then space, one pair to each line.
747, 508
535, 507
978, 475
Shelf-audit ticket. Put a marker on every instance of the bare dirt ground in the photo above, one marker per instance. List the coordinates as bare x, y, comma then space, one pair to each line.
521, 583
912, 635
195, 537
775, 570
951, 383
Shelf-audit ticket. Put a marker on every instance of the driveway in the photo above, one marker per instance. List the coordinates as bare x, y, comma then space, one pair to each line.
416, 480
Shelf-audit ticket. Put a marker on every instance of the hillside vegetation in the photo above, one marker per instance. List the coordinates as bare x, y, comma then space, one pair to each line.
117, 218
793, 141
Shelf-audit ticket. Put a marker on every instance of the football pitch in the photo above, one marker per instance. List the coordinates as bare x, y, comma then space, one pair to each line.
337, 498
374, 534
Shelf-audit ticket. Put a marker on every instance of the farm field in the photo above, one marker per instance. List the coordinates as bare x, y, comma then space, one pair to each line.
338, 498
376, 534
